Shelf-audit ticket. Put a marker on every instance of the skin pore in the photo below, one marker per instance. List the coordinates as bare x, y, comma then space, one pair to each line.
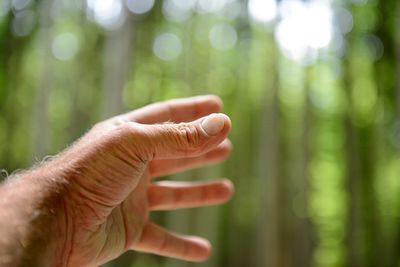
91, 203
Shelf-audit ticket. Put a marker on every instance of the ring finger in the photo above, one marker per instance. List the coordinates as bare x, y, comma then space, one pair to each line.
177, 195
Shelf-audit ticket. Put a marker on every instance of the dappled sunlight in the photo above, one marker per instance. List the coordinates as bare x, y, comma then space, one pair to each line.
263, 10
304, 28
108, 13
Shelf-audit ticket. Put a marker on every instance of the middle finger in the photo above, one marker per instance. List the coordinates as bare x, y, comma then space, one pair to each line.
163, 167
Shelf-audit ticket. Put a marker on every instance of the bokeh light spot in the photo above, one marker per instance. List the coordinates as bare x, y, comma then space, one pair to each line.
65, 46
223, 36
107, 13
210, 6
263, 10
344, 20
177, 10
305, 27
232, 11
167, 46
139, 6
23, 23
375, 46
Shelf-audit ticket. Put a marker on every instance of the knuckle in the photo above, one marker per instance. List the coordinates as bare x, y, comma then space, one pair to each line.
125, 133
189, 135
124, 129
119, 137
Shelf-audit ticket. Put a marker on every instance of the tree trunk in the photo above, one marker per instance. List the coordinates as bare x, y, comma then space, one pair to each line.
117, 58
41, 127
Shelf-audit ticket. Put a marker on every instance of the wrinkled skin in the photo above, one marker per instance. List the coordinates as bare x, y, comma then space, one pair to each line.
108, 188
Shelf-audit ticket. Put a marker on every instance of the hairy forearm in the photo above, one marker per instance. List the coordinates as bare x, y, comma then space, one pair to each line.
31, 220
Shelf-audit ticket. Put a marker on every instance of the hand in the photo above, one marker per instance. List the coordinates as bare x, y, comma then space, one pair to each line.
107, 175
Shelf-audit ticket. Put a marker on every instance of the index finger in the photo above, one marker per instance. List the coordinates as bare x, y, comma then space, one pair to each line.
176, 110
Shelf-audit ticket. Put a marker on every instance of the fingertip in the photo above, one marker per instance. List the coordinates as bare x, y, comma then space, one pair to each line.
201, 249
227, 142
227, 189
226, 146
221, 191
221, 152
217, 101
228, 185
213, 124
190, 139
227, 124
209, 103
216, 123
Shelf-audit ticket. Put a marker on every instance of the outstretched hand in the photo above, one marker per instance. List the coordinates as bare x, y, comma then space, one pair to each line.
108, 188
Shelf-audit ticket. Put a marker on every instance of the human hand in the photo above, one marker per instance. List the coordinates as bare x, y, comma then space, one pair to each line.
107, 185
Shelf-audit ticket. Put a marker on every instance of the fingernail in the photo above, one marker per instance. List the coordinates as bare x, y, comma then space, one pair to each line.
213, 124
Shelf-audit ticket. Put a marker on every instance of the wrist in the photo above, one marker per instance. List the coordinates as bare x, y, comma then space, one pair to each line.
33, 208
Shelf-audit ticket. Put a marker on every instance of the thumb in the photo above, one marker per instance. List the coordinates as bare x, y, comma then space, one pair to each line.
160, 141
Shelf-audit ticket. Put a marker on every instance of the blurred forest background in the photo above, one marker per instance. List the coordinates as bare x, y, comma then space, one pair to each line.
312, 87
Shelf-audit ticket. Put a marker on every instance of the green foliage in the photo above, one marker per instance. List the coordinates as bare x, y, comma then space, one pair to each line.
316, 161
